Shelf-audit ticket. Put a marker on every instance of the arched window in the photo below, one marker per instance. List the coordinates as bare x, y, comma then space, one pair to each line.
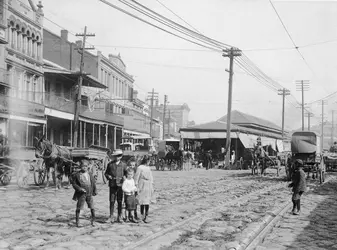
18, 37
23, 40
28, 50
33, 46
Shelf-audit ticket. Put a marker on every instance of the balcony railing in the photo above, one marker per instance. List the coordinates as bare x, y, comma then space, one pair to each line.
59, 103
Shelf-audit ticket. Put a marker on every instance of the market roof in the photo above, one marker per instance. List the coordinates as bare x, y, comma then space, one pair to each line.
219, 126
246, 120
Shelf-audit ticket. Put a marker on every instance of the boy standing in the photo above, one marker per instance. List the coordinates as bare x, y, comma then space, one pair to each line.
85, 188
115, 173
129, 189
299, 186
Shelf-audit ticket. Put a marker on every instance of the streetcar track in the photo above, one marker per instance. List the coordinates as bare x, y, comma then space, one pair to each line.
232, 202
251, 244
237, 196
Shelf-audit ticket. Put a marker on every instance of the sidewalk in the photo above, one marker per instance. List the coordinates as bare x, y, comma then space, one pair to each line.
314, 228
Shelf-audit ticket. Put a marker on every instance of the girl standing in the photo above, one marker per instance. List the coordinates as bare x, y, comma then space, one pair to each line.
144, 184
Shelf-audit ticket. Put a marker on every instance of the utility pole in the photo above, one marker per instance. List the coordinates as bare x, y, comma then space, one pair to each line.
231, 53
332, 128
322, 136
302, 85
152, 96
164, 114
284, 92
309, 115
169, 124
79, 87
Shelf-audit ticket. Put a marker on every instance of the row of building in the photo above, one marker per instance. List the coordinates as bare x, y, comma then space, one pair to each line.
39, 79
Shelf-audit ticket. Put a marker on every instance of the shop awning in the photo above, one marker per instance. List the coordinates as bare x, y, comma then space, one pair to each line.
205, 135
27, 119
59, 114
268, 142
280, 146
248, 141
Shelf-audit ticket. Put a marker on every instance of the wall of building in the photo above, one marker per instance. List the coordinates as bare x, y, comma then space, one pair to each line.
58, 49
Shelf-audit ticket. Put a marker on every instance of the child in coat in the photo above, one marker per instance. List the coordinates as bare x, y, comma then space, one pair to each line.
299, 186
129, 189
85, 188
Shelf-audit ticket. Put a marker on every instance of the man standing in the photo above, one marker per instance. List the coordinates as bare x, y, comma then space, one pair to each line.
115, 173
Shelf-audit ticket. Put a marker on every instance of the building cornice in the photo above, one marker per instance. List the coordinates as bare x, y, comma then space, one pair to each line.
106, 61
28, 20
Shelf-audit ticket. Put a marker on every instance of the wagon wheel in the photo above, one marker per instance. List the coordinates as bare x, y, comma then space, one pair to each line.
105, 165
5, 179
40, 173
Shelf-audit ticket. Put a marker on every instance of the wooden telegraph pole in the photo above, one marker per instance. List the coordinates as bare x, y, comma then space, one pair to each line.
322, 137
231, 53
309, 115
284, 92
164, 114
79, 87
152, 96
302, 85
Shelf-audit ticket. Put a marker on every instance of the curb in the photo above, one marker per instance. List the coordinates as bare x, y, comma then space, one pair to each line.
266, 225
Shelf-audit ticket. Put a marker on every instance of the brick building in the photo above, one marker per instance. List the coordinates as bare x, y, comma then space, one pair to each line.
21, 81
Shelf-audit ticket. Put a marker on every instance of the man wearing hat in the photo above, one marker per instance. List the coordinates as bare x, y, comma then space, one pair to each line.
115, 172
299, 186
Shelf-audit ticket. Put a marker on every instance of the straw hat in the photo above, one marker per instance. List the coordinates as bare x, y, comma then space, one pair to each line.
117, 152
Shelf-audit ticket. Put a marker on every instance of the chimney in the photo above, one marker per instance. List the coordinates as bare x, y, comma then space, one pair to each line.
64, 35
78, 44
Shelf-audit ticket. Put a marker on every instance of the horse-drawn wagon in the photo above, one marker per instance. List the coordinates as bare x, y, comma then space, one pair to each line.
65, 160
170, 155
305, 145
330, 158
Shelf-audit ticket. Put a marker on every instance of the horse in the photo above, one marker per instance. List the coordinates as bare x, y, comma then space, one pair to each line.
175, 156
261, 161
56, 157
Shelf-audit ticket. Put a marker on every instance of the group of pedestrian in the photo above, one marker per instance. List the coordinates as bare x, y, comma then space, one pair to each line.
130, 185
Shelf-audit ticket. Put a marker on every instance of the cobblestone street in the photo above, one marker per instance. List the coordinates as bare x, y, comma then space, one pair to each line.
314, 228
224, 207
38, 217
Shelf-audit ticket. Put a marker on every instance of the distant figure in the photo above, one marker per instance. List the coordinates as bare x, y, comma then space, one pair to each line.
240, 163
233, 157
333, 148
299, 186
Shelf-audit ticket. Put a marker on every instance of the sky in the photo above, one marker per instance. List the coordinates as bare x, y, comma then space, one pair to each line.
194, 75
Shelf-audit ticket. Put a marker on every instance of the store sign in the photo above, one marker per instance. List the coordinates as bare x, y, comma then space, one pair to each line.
18, 106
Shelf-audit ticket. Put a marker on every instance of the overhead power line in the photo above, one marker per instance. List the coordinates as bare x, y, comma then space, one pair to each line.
292, 40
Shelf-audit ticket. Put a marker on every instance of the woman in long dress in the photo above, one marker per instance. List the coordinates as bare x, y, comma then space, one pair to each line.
144, 184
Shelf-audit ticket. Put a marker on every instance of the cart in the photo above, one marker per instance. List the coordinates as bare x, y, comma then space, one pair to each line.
305, 145
98, 157
18, 161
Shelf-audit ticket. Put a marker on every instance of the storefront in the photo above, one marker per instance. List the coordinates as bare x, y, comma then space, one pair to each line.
20, 122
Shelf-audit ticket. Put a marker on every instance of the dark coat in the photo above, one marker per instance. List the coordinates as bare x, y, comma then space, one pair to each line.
78, 185
115, 173
299, 182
